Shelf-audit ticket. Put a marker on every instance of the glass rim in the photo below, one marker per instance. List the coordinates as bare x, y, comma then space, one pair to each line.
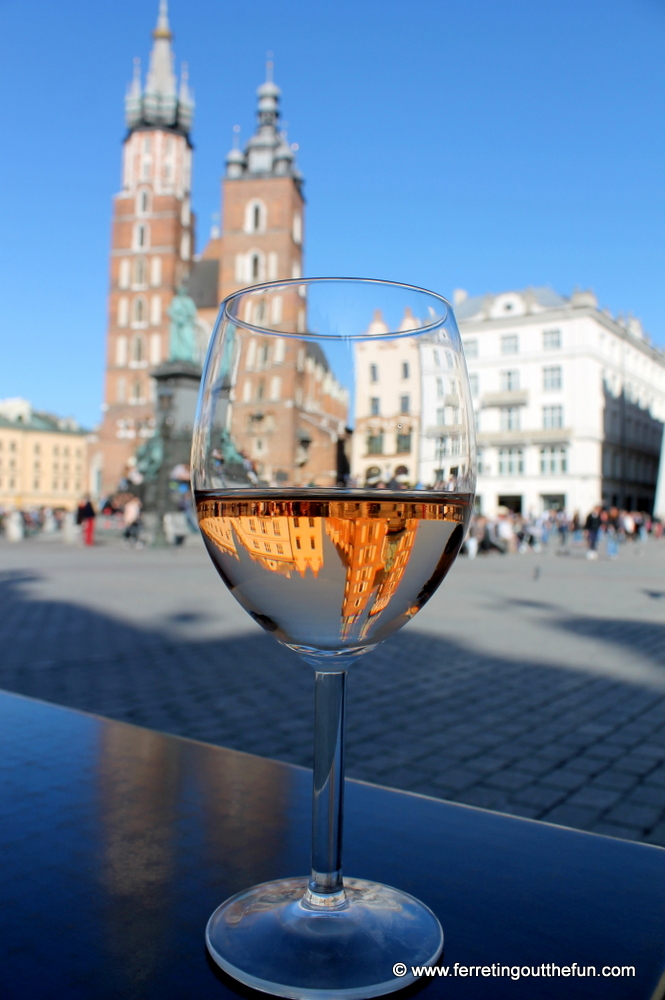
309, 335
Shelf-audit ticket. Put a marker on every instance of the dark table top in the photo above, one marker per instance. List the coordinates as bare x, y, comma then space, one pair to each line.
116, 843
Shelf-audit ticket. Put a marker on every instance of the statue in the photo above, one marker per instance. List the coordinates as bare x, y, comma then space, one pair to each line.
182, 342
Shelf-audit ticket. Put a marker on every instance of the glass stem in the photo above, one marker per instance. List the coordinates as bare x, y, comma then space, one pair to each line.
326, 888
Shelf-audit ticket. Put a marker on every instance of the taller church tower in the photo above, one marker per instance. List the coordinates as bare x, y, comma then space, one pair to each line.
151, 249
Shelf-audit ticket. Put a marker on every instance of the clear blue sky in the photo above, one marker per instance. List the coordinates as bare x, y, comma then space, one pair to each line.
469, 144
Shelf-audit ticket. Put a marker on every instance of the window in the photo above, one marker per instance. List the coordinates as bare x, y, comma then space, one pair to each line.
138, 349
297, 228
405, 404
121, 352
510, 418
123, 312
121, 390
404, 442
510, 381
137, 395
551, 340
247, 392
405, 369
439, 387
156, 272
139, 271
155, 310
374, 406
273, 265
374, 373
552, 378
255, 266
441, 416
554, 459
473, 384
275, 388
470, 349
123, 277
260, 390
511, 461
155, 348
143, 202
552, 417
279, 348
375, 443
437, 358
141, 235
139, 310
510, 344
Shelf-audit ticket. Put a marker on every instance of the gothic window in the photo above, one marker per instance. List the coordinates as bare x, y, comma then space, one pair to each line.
141, 235
139, 271
124, 272
272, 265
255, 216
143, 202
255, 267
156, 272
297, 228
155, 348
138, 349
139, 310
123, 312
120, 391
137, 392
185, 246
155, 310
121, 352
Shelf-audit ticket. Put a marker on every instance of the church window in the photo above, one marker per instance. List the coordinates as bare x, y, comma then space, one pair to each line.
185, 214
260, 389
301, 321
297, 228
240, 267
273, 263
137, 392
139, 271
123, 276
138, 349
255, 217
155, 310
278, 351
141, 235
296, 271
276, 315
123, 312
139, 310
121, 390
255, 266
275, 388
156, 272
121, 352
155, 348
185, 246
143, 202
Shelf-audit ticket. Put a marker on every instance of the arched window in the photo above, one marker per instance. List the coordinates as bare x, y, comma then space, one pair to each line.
297, 228
156, 272
139, 271
139, 310
123, 277
123, 311
141, 235
137, 394
255, 267
256, 216
155, 310
185, 246
143, 202
138, 349
121, 352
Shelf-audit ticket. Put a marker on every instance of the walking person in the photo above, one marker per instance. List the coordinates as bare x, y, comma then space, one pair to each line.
592, 528
85, 516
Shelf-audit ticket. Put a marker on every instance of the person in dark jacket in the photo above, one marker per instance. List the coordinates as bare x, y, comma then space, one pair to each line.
85, 516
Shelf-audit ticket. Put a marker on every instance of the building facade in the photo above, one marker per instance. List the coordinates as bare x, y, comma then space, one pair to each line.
569, 402
42, 459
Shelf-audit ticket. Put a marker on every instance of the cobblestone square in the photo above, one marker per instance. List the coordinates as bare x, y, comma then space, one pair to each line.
532, 684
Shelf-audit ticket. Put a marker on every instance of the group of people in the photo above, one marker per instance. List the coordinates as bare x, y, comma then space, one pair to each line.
510, 532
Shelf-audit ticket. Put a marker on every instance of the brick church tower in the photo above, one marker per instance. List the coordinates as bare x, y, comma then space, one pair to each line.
151, 249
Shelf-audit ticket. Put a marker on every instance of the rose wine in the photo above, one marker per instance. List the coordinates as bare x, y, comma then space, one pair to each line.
329, 570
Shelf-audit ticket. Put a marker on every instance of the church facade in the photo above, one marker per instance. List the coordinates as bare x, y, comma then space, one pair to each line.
153, 249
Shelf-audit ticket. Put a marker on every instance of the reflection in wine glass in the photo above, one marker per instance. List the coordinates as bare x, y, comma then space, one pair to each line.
334, 471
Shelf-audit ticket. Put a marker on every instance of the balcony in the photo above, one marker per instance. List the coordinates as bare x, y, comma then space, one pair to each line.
524, 437
509, 397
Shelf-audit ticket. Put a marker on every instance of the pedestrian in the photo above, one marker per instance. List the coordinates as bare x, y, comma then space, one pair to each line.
131, 516
85, 516
592, 528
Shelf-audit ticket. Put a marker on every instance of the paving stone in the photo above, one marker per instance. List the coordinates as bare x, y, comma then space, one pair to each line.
620, 781
565, 779
595, 798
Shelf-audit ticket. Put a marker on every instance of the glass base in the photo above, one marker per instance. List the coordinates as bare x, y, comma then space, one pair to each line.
268, 937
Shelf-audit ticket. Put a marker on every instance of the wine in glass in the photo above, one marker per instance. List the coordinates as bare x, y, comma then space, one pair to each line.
333, 467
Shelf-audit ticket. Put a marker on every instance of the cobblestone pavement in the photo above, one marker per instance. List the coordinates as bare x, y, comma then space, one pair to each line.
534, 684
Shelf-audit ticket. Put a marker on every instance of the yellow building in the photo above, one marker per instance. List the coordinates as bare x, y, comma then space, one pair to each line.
42, 459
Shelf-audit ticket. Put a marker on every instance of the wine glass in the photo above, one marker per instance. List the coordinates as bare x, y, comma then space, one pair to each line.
333, 467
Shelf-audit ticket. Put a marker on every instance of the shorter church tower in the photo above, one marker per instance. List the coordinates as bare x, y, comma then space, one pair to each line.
151, 249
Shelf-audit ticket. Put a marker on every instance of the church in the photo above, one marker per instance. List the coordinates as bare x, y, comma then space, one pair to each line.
153, 253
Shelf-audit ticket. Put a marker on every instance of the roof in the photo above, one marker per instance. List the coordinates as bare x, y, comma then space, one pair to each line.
43, 422
203, 284
316, 352
544, 296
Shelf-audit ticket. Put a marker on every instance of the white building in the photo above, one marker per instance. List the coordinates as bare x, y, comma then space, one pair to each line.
569, 402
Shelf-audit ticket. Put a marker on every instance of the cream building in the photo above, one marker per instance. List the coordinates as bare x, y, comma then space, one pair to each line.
42, 459
569, 402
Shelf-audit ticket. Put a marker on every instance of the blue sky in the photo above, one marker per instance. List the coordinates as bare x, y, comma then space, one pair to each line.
469, 144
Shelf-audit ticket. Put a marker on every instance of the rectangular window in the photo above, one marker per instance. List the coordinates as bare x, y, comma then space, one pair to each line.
470, 348
405, 369
404, 443
552, 417
510, 344
437, 358
247, 391
510, 381
552, 378
275, 388
439, 387
511, 461
554, 459
473, 384
374, 373
279, 347
510, 418
405, 404
551, 340
375, 443
441, 416
374, 405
